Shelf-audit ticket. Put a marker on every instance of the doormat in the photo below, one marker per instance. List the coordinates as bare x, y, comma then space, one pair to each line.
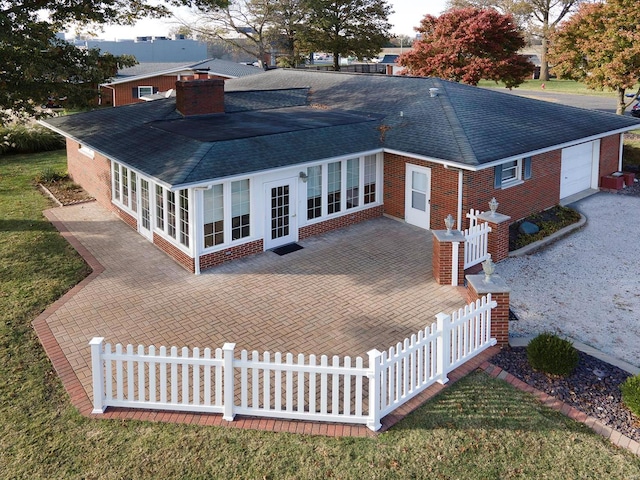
291, 247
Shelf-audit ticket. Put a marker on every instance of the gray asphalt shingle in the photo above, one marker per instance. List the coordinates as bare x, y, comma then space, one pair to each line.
463, 124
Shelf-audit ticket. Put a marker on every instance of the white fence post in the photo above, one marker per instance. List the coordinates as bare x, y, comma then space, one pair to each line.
97, 375
373, 421
229, 387
455, 256
443, 357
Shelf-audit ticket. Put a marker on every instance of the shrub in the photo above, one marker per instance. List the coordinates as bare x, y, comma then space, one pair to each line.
50, 175
29, 139
553, 355
631, 394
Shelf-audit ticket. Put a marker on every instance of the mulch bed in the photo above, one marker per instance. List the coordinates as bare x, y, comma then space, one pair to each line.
593, 388
66, 192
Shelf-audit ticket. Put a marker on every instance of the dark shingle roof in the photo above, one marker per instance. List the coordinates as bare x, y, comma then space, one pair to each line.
213, 66
287, 117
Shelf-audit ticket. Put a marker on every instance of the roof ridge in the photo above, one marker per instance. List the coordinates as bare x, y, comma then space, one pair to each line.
462, 140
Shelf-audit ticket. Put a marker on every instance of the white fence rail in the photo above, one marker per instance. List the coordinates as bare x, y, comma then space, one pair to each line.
306, 388
476, 238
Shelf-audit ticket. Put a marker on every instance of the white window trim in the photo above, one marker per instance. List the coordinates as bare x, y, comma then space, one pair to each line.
512, 182
227, 197
140, 94
126, 206
343, 189
86, 151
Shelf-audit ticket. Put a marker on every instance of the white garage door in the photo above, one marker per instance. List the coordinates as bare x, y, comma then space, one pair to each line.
577, 168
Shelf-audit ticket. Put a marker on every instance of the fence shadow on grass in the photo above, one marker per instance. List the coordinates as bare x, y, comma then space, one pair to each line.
482, 402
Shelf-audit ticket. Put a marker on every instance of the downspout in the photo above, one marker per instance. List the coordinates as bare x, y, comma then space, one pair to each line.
620, 151
195, 229
113, 94
460, 178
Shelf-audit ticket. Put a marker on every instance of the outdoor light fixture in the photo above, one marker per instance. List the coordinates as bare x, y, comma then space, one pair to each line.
448, 222
493, 206
488, 267
303, 176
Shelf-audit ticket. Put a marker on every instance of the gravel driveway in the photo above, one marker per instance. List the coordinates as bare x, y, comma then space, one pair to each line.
587, 285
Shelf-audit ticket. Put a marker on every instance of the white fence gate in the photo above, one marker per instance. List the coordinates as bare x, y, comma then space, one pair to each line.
303, 388
476, 240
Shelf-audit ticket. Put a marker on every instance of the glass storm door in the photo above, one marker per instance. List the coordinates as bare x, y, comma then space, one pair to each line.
418, 196
281, 226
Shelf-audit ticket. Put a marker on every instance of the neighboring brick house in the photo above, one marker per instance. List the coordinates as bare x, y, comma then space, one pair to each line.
226, 170
142, 81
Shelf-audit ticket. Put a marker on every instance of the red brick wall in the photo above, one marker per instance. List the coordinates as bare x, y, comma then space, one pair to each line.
538, 193
609, 155
123, 90
126, 218
174, 252
233, 253
340, 222
444, 188
94, 175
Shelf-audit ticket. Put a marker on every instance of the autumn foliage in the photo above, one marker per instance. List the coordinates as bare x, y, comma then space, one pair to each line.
600, 46
468, 45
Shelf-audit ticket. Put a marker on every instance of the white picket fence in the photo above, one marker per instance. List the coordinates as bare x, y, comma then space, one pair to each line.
302, 388
476, 240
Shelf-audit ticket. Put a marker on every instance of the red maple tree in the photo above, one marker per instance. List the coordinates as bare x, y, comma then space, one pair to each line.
468, 45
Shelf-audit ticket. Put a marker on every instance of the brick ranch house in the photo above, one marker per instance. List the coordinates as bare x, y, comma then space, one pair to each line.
226, 170
143, 81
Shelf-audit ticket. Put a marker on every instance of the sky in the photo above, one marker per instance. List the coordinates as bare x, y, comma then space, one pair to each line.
408, 14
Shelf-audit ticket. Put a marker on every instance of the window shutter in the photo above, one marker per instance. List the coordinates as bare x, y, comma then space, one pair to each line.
134, 92
497, 176
527, 168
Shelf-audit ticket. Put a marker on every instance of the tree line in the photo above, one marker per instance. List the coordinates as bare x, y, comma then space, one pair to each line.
594, 42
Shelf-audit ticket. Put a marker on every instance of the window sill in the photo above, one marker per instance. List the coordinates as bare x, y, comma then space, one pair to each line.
512, 183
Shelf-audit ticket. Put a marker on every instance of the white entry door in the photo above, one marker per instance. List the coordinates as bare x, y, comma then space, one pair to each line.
418, 196
144, 210
281, 226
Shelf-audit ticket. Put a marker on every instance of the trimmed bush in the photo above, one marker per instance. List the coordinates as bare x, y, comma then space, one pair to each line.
551, 354
631, 394
29, 139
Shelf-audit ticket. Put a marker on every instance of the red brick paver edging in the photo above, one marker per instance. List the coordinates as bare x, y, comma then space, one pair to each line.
600, 428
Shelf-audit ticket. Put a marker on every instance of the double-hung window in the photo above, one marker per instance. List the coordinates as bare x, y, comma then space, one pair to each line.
172, 214
512, 173
314, 192
337, 187
124, 184
227, 213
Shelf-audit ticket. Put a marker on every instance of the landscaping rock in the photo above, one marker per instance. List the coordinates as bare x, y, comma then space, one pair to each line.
528, 228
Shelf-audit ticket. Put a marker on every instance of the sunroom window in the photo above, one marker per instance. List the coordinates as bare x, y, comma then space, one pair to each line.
226, 213
124, 187
337, 187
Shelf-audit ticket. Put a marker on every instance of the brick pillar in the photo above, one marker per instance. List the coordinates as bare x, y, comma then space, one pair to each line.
499, 235
478, 287
442, 259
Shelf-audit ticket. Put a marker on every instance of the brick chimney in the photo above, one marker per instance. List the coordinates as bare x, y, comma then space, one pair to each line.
199, 97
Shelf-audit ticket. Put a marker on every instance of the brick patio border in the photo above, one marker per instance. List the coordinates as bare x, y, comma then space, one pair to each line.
83, 403
596, 425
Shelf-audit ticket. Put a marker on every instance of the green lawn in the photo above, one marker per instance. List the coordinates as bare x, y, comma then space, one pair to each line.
553, 85
480, 428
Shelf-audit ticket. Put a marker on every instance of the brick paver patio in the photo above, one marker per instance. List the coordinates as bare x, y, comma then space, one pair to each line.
363, 287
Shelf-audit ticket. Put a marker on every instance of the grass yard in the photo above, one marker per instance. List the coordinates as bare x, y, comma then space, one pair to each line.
554, 85
480, 428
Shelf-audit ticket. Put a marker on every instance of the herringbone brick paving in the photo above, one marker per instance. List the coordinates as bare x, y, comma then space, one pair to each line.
363, 287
